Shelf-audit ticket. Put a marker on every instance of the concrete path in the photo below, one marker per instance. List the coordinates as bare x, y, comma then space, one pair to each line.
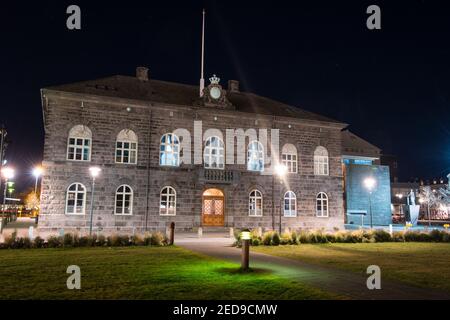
343, 283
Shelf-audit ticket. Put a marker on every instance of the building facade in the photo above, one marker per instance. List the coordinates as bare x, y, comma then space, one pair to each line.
140, 131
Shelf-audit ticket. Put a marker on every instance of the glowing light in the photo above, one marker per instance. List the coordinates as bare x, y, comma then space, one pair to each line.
245, 235
37, 172
399, 195
95, 171
281, 170
370, 183
8, 173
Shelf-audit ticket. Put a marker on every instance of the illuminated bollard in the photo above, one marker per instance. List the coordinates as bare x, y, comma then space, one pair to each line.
245, 239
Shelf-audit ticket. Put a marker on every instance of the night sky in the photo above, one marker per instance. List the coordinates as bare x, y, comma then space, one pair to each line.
391, 85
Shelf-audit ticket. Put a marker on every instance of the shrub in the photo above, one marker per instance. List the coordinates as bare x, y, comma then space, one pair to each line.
398, 236
157, 239
294, 237
285, 238
256, 242
137, 240
38, 242
267, 238
303, 237
86, 241
445, 236
330, 237
275, 239
68, 240
381, 236
54, 242
436, 235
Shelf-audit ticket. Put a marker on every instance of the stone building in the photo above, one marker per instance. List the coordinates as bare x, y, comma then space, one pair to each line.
134, 129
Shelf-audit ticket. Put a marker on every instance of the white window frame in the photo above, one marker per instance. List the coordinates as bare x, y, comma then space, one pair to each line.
321, 162
83, 133
289, 158
292, 198
166, 192
209, 155
76, 192
172, 148
321, 199
124, 193
130, 137
255, 155
253, 198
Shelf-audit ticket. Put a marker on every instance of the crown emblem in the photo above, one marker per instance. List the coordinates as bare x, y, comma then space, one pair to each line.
214, 79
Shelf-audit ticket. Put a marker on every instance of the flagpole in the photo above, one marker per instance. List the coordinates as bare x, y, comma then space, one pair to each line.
202, 79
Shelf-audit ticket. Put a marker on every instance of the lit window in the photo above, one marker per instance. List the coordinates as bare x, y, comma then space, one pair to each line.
124, 200
214, 155
79, 144
169, 152
255, 157
126, 147
76, 199
255, 206
289, 158
322, 205
290, 204
321, 161
168, 202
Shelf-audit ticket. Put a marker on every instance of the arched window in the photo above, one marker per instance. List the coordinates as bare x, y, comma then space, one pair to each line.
168, 202
255, 157
126, 147
321, 161
79, 144
214, 155
169, 152
124, 200
255, 205
322, 205
290, 204
76, 199
289, 157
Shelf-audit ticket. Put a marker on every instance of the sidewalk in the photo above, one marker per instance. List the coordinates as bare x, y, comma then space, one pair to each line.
343, 283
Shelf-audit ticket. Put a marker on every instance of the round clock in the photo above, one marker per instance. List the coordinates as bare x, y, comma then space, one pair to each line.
215, 93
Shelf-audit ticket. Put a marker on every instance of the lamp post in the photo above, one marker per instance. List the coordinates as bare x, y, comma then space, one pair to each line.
400, 197
7, 174
370, 184
37, 172
280, 171
245, 239
94, 171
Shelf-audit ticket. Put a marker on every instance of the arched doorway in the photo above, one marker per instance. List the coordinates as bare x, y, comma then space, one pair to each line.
213, 209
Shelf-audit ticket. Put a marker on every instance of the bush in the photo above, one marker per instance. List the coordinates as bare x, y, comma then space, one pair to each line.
275, 239
137, 240
68, 240
398, 236
38, 242
381, 236
54, 242
157, 239
285, 238
303, 237
294, 237
267, 238
436, 236
256, 242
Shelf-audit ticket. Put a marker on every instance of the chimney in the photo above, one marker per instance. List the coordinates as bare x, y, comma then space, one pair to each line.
142, 73
233, 85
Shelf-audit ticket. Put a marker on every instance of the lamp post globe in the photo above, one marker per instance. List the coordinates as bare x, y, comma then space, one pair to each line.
94, 172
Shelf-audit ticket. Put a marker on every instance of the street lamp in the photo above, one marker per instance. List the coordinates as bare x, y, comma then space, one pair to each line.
400, 197
370, 184
280, 171
245, 240
37, 172
95, 172
7, 174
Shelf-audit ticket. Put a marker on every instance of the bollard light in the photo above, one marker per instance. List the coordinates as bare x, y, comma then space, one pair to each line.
245, 239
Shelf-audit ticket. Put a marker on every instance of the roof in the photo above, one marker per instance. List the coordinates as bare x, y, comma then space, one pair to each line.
352, 145
128, 87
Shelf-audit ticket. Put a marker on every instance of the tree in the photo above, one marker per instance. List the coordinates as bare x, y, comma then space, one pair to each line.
32, 201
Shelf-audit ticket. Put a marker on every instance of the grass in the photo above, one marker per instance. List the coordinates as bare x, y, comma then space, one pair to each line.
420, 264
138, 273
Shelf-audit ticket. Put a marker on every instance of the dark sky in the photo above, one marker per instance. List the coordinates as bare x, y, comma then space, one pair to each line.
391, 85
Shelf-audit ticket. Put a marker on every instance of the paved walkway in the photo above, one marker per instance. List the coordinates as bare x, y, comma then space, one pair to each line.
342, 283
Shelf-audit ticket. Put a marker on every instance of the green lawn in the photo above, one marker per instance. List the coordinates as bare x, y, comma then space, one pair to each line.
420, 264
138, 273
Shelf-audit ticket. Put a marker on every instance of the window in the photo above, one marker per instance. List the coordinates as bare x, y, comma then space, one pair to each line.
255, 205
322, 205
76, 199
289, 157
321, 161
290, 204
79, 144
168, 202
214, 155
169, 152
126, 147
255, 157
124, 200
